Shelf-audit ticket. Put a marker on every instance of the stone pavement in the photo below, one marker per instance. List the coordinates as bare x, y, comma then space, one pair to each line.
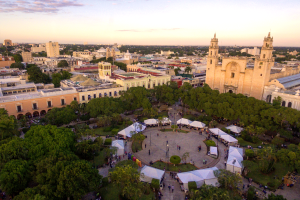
177, 193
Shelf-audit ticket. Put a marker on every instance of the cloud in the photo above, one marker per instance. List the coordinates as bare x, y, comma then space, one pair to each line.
34, 6
148, 30
114, 4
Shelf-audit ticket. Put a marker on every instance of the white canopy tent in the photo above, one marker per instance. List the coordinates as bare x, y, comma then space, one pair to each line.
199, 176
148, 173
184, 121
214, 151
217, 131
120, 145
234, 161
151, 121
197, 124
132, 129
166, 120
235, 129
231, 140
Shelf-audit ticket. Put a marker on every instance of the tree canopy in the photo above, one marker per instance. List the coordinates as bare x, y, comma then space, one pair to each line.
62, 63
37, 76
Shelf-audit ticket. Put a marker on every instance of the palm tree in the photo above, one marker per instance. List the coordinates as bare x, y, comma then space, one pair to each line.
188, 70
177, 70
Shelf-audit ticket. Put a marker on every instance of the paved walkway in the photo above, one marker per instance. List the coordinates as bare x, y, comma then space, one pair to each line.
177, 194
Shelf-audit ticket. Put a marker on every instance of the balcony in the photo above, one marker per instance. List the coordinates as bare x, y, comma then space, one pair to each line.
49, 106
36, 108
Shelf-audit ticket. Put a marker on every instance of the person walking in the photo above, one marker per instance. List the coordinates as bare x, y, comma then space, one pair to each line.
172, 188
149, 152
167, 142
169, 186
145, 146
179, 148
225, 163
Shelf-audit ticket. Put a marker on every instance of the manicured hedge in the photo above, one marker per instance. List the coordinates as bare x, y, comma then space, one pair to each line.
107, 141
210, 143
115, 131
175, 159
192, 185
155, 183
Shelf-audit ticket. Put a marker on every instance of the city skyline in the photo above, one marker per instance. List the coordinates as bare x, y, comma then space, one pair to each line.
168, 22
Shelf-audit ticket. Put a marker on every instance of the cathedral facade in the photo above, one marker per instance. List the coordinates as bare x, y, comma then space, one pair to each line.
234, 75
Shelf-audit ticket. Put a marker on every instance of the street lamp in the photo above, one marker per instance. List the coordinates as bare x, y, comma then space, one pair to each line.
167, 155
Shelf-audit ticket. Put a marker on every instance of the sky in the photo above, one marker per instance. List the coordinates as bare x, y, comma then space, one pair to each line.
151, 22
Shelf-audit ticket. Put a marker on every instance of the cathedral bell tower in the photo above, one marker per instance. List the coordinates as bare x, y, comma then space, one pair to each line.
262, 68
212, 61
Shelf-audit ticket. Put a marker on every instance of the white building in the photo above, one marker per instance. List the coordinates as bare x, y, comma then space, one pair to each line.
255, 51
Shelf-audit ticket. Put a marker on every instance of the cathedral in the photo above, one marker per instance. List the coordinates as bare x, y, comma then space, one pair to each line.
235, 75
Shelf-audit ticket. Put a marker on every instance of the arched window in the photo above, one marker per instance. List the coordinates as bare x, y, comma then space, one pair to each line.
210, 61
283, 104
290, 104
264, 56
269, 97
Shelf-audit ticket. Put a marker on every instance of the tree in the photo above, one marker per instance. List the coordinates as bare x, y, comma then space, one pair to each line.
177, 70
60, 116
267, 159
188, 70
275, 197
210, 193
14, 176
62, 63
128, 180
17, 65
185, 156
37, 76
228, 180
8, 125
77, 179
18, 58
175, 159
57, 77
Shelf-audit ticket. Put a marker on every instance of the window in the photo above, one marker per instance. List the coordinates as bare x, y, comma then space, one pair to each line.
100, 95
19, 108
34, 106
283, 104
290, 104
110, 94
94, 96
89, 97
75, 99
83, 98
62, 102
232, 75
49, 104
264, 56
105, 94
153, 85
210, 61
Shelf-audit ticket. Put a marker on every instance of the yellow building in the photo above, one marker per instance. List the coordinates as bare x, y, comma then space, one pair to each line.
104, 69
83, 54
7, 43
52, 49
235, 75
27, 56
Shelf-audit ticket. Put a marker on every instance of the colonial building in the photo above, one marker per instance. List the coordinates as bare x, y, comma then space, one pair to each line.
235, 75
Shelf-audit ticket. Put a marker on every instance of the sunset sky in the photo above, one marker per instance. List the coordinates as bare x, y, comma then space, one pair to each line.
151, 22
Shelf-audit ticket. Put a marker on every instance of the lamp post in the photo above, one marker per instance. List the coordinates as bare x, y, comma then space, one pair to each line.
167, 155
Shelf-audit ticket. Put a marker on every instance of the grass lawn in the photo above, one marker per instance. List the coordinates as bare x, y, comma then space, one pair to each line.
182, 131
183, 167
166, 130
190, 117
162, 114
100, 131
244, 143
280, 171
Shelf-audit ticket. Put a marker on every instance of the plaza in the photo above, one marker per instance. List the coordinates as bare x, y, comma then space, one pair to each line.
163, 145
